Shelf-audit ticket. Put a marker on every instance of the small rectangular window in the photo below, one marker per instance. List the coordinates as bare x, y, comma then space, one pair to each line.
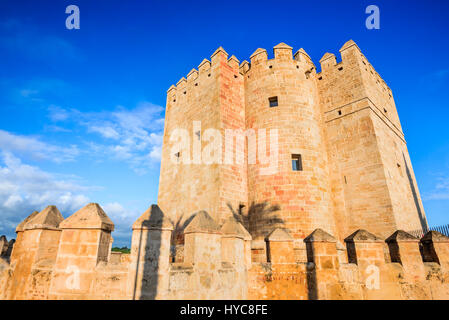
296, 162
273, 102
399, 168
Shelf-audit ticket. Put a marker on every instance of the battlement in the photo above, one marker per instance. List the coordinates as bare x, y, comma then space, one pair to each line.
329, 62
6, 247
350, 54
369, 84
206, 67
371, 268
282, 52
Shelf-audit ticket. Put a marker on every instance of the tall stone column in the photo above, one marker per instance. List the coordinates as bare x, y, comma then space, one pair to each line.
150, 255
404, 249
85, 242
280, 247
38, 240
367, 251
323, 265
436, 249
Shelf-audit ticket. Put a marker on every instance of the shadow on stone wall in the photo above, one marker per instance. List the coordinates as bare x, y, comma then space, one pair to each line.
148, 257
312, 285
177, 238
422, 218
260, 219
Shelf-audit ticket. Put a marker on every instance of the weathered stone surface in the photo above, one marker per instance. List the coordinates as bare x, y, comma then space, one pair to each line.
25, 221
326, 56
434, 236
202, 223
233, 228
49, 218
91, 216
320, 235
347, 45
279, 235
362, 236
401, 236
153, 218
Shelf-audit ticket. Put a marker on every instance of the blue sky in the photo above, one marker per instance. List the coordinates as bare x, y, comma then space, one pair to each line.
81, 111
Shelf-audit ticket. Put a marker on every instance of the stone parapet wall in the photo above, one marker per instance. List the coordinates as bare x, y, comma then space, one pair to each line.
218, 262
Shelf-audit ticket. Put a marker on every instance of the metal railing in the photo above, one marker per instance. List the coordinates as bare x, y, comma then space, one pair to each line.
444, 229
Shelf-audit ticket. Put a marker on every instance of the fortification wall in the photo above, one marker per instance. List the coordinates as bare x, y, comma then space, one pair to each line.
218, 264
367, 276
356, 176
214, 268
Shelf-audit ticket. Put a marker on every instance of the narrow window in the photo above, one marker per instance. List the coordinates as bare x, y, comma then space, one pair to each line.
399, 168
273, 102
339, 112
385, 110
296, 162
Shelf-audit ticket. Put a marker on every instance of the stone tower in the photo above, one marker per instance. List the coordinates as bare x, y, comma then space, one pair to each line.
341, 160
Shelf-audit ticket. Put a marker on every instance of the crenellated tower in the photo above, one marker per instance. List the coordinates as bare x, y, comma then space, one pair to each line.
302, 196
341, 162
371, 175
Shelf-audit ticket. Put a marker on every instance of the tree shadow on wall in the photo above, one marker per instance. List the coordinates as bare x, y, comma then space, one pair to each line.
260, 218
147, 277
177, 236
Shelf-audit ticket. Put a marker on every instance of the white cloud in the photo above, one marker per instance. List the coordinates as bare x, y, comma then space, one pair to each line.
57, 113
156, 153
107, 132
35, 148
28, 92
53, 128
130, 135
25, 188
439, 192
123, 219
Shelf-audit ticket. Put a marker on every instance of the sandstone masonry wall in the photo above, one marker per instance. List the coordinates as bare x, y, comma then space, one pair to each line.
218, 262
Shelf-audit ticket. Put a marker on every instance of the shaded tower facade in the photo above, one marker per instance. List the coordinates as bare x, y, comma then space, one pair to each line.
371, 173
